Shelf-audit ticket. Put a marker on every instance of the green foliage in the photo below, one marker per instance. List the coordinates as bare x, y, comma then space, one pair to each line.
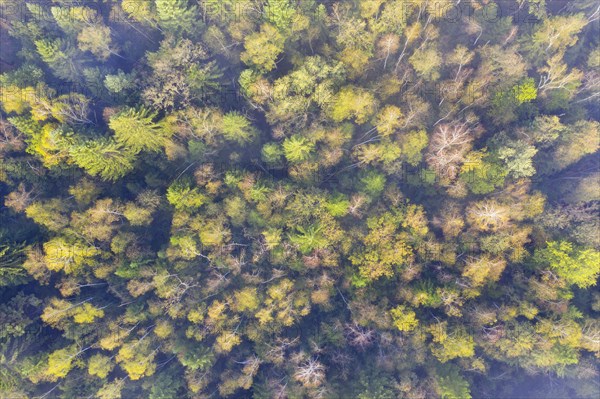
452, 385
426, 62
280, 13
481, 174
11, 258
376, 386
61, 361
236, 127
176, 16
456, 343
297, 148
183, 196
353, 103
575, 265
136, 130
103, 157
95, 39
118, 82
373, 183
262, 48
181, 74
386, 249
525, 92
100, 365
404, 319
272, 153
196, 358
14, 315
309, 238
338, 206
518, 158
412, 145
166, 385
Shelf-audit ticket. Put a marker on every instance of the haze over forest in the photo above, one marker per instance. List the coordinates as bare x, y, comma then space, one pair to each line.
289, 199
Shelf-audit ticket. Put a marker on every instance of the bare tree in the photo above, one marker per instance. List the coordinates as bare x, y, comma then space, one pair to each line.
311, 373
359, 337
449, 144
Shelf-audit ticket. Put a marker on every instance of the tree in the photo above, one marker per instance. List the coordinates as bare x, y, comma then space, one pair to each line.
11, 273
68, 256
100, 221
506, 102
137, 359
112, 389
311, 373
388, 120
100, 365
182, 196
14, 316
488, 215
136, 130
452, 385
576, 266
97, 40
140, 10
353, 103
385, 247
481, 174
262, 48
412, 145
297, 148
119, 82
451, 344
293, 98
555, 34
87, 313
175, 16
386, 46
51, 214
579, 140
404, 318
448, 146
103, 157
309, 239
272, 153
517, 156
61, 361
236, 127
426, 62
180, 75
483, 270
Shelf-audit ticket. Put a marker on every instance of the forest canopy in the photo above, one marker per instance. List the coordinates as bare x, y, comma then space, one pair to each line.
369, 199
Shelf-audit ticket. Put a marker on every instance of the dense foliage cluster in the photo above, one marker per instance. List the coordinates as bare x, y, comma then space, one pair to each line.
261, 199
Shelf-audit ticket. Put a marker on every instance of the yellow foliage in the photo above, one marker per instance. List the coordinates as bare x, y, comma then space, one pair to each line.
196, 316
388, 120
69, 257
60, 362
87, 313
404, 318
163, 329
264, 316
280, 291
246, 299
136, 360
15, 99
100, 365
484, 269
226, 341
